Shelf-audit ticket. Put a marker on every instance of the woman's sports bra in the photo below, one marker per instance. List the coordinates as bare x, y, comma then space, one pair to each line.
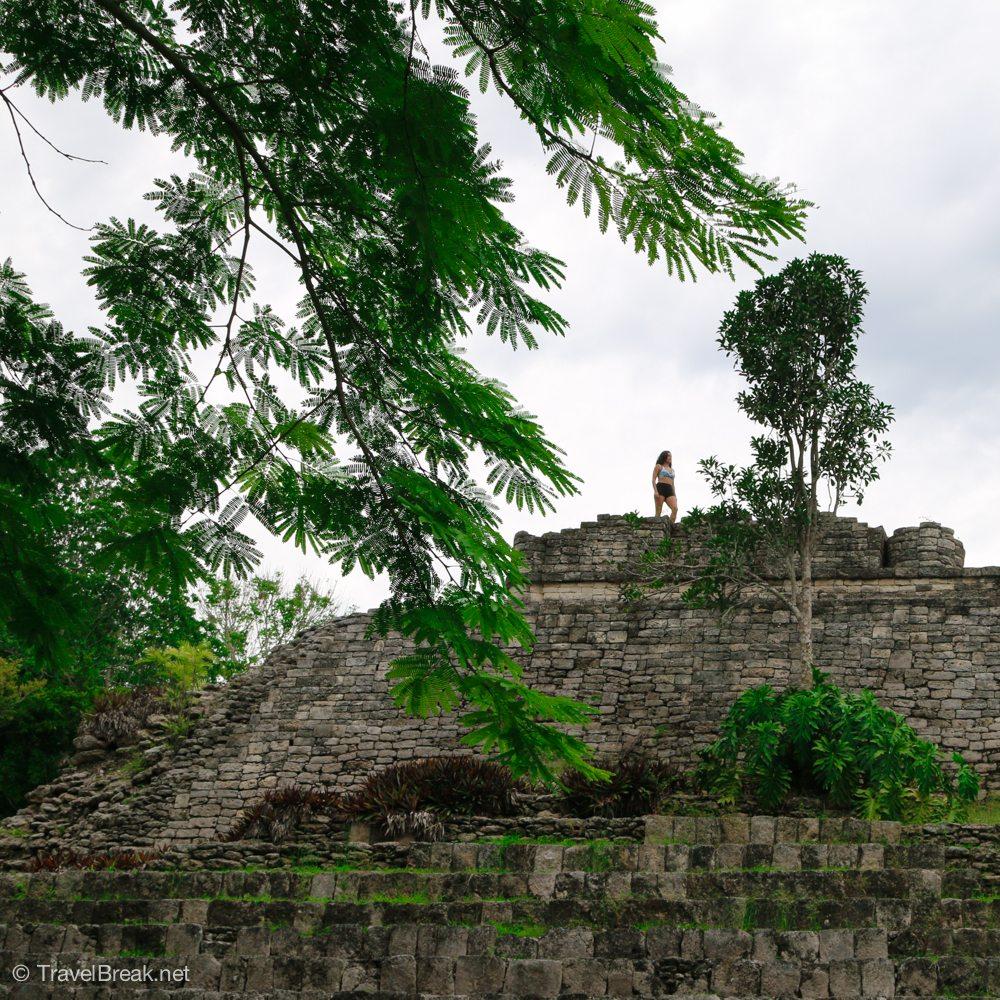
666, 473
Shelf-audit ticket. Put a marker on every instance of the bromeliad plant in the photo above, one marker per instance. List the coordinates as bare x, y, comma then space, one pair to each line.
460, 785
842, 746
410, 798
638, 784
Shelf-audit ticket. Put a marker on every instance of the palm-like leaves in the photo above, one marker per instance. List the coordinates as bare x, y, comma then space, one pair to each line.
330, 138
844, 747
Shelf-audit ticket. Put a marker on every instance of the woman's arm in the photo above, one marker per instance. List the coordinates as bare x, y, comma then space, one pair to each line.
656, 472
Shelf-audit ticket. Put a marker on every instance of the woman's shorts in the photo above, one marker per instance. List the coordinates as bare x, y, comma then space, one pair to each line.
665, 490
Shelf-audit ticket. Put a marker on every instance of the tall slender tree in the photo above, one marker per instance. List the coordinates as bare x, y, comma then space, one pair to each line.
322, 128
794, 340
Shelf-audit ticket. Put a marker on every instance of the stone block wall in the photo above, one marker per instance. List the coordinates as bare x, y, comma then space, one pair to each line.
925, 637
600, 551
929, 548
597, 550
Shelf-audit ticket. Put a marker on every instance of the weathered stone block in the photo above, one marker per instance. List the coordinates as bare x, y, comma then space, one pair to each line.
479, 974
398, 974
533, 977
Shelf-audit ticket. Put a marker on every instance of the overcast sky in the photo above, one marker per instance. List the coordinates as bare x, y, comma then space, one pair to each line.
885, 115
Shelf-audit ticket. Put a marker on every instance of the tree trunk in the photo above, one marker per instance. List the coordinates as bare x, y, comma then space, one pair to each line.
802, 671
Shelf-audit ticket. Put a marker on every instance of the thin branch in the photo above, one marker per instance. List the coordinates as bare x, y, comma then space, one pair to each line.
41, 135
31, 176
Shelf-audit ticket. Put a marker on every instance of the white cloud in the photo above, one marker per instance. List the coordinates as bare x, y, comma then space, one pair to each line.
884, 114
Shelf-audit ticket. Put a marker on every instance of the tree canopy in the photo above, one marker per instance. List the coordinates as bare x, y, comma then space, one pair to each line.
322, 129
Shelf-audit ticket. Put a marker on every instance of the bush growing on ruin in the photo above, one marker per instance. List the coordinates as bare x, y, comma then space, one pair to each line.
639, 784
457, 785
246, 619
181, 670
420, 825
164, 679
116, 716
407, 799
280, 811
842, 746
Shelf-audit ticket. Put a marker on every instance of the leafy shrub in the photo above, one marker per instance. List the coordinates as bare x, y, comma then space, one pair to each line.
844, 747
118, 860
177, 728
638, 785
14, 688
37, 724
116, 716
279, 811
460, 785
181, 669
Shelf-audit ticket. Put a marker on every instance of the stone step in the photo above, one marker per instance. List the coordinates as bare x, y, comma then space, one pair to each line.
517, 976
351, 941
739, 828
420, 885
518, 857
93, 993
518, 940
618, 856
742, 912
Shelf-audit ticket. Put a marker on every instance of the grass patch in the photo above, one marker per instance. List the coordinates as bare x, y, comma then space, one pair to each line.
135, 764
312, 869
520, 930
509, 839
13, 831
984, 813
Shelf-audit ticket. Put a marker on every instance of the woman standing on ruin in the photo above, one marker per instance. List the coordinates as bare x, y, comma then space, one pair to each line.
663, 485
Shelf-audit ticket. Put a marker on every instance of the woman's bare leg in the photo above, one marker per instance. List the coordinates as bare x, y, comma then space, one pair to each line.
658, 500
672, 504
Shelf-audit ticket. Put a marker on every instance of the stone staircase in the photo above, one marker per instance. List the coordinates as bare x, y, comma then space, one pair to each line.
723, 906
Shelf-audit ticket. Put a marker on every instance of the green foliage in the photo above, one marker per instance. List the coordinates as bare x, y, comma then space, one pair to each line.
637, 785
67, 600
246, 619
181, 669
38, 721
14, 690
325, 131
794, 340
460, 785
177, 728
842, 746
